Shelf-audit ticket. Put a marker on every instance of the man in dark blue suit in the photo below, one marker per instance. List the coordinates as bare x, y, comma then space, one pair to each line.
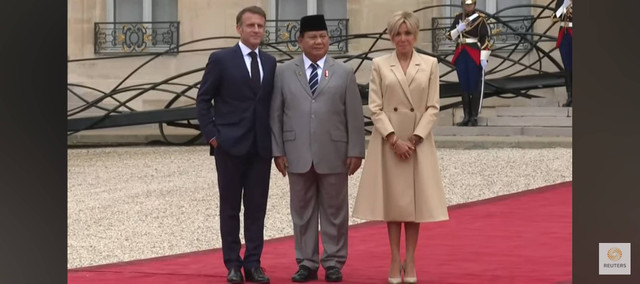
239, 80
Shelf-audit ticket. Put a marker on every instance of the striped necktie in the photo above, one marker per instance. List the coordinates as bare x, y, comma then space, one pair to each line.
313, 78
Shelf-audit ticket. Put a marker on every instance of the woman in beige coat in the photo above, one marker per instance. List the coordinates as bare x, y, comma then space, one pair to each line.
401, 180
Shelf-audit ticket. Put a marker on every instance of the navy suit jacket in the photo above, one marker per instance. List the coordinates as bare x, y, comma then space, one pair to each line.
239, 110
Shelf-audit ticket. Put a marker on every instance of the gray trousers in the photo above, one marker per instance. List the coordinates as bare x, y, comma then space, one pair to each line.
325, 196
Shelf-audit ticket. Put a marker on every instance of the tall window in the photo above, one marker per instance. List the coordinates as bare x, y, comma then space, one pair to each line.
333, 9
284, 15
296, 9
142, 10
491, 6
288, 9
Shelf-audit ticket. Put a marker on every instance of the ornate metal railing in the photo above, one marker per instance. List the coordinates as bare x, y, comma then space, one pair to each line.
286, 32
504, 37
136, 37
514, 74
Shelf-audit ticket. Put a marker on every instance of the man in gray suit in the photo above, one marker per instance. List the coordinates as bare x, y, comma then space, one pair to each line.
318, 138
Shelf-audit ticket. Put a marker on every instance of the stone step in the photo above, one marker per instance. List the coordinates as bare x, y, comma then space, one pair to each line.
532, 112
503, 131
458, 142
529, 121
488, 142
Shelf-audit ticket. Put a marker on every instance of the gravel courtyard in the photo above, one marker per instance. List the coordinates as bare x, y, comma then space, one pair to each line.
127, 203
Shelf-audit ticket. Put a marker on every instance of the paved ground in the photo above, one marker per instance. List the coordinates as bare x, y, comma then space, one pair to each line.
127, 203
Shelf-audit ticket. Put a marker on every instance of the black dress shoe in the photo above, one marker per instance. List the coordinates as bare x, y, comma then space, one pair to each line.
304, 274
255, 275
333, 274
234, 276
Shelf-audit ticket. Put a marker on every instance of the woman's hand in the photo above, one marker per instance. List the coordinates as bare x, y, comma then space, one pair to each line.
415, 140
403, 149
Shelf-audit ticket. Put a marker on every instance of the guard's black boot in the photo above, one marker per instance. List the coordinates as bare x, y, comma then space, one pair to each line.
467, 110
475, 108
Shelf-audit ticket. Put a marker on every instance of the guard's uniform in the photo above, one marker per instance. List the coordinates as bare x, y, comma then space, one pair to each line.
564, 14
472, 47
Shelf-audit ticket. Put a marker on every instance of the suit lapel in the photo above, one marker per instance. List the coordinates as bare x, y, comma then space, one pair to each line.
239, 58
328, 71
414, 67
302, 75
397, 70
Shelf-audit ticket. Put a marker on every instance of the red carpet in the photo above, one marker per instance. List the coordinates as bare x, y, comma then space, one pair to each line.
518, 238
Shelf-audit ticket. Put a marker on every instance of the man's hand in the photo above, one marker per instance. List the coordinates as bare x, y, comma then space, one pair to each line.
353, 164
213, 142
281, 164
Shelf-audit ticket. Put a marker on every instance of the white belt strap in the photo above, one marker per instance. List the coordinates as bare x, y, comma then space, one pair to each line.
472, 17
563, 8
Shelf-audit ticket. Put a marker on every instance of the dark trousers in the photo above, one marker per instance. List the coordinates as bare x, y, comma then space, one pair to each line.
242, 180
469, 73
566, 48
470, 78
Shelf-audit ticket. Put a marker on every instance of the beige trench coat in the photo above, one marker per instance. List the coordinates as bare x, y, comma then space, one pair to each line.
392, 189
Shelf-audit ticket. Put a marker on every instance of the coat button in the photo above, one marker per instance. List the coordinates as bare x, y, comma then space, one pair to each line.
395, 109
411, 109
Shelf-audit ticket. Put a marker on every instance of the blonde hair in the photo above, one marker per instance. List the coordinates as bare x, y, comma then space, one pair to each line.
396, 20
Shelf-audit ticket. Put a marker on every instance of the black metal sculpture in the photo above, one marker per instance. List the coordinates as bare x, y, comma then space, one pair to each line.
515, 41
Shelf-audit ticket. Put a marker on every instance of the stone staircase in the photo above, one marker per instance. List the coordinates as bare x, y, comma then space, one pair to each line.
499, 127
510, 121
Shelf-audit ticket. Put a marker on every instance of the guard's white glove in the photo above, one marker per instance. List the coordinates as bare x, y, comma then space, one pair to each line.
462, 26
484, 64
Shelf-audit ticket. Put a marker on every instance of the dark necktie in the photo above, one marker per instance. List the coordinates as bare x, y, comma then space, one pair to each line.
255, 70
313, 78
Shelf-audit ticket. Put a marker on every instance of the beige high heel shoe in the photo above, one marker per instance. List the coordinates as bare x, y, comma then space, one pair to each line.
409, 280
396, 280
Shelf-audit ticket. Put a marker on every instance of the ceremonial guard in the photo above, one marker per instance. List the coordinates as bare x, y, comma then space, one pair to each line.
564, 14
471, 32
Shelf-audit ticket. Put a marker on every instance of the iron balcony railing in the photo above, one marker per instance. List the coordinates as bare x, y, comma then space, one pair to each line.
136, 37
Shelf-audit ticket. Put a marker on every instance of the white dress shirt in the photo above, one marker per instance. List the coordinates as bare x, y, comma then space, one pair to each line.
307, 67
247, 59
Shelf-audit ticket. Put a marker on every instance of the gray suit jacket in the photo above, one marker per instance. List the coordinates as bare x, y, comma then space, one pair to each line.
321, 129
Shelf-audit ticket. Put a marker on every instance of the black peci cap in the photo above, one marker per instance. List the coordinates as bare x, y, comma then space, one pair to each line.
312, 23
